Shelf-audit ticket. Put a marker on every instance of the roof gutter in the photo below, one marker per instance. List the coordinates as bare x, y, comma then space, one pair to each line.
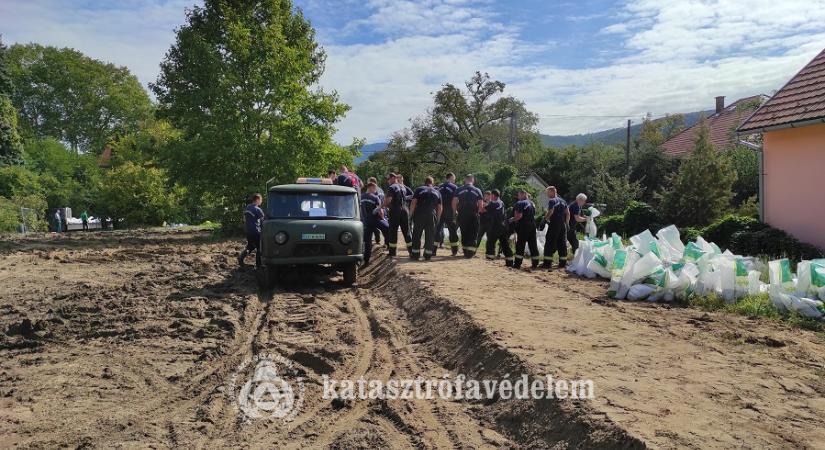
784, 126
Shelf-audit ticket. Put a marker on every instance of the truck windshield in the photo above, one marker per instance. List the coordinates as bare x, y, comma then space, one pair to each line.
311, 205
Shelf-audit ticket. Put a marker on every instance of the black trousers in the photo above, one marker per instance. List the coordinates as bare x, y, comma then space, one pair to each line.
572, 238
85, 225
373, 227
452, 228
253, 244
398, 218
500, 235
555, 241
468, 224
526, 237
483, 228
423, 224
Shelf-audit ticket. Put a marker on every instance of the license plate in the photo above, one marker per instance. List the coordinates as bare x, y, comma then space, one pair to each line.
313, 236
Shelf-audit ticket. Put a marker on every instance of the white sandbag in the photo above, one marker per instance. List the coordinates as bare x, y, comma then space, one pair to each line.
638, 271
811, 278
640, 291
755, 286
590, 227
805, 307
644, 242
781, 276
541, 237
621, 258
599, 265
581, 259
670, 244
726, 268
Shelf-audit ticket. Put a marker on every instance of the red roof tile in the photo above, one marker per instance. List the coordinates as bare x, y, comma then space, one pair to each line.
801, 99
721, 125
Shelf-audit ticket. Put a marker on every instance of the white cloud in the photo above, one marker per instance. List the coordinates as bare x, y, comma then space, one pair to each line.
674, 55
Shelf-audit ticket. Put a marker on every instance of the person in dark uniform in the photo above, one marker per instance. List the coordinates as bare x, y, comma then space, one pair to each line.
380, 193
372, 216
524, 217
398, 215
447, 191
408, 194
483, 220
425, 209
576, 218
253, 216
557, 217
498, 231
467, 204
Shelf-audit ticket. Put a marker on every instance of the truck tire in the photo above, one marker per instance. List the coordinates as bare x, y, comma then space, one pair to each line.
350, 274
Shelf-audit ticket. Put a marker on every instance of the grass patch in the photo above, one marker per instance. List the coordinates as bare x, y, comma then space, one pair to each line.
755, 306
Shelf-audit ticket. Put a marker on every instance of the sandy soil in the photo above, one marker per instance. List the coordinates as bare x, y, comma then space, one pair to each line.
129, 339
673, 377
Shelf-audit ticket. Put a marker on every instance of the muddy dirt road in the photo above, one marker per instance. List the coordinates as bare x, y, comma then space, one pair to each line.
135, 339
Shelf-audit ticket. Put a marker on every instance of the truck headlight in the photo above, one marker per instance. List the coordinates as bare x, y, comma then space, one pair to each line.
346, 237
281, 238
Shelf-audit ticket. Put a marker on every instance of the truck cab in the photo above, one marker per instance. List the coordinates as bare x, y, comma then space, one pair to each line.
312, 223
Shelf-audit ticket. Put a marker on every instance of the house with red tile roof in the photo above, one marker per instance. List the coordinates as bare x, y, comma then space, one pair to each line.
722, 126
792, 123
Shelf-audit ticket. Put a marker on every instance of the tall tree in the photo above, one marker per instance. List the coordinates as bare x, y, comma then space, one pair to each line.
62, 93
11, 145
701, 189
649, 165
240, 82
5, 78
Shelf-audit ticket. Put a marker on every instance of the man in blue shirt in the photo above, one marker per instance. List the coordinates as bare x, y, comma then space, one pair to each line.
557, 217
468, 203
425, 209
372, 216
394, 201
497, 231
253, 216
524, 217
447, 191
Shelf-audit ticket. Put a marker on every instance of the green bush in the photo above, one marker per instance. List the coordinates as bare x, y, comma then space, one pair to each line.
773, 243
640, 216
611, 224
720, 232
689, 234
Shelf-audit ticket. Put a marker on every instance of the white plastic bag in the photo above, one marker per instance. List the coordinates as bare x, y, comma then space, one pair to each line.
640, 291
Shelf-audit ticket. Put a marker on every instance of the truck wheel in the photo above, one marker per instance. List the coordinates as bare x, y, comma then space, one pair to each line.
350, 274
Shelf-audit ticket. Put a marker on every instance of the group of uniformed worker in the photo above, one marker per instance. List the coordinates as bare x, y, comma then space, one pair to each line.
466, 213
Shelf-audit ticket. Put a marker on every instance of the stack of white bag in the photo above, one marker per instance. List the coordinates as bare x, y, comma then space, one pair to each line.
662, 268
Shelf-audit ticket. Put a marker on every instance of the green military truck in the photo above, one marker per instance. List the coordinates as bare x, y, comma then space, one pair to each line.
311, 223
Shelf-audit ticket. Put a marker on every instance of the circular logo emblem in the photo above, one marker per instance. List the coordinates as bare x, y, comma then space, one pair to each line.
271, 388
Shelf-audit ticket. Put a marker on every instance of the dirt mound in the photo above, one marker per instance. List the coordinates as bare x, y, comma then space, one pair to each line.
461, 345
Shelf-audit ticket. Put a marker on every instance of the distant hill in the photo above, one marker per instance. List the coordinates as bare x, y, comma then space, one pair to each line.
612, 136
369, 149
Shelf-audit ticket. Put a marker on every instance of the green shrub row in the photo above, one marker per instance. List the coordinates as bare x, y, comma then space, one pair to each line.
740, 234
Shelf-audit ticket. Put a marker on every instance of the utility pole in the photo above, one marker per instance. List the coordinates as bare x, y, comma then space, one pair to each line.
513, 138
627, 148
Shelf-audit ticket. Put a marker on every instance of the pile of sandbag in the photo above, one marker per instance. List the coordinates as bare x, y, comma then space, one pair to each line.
662, 268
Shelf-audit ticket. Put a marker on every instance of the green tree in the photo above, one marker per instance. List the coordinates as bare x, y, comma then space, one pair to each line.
68, 179
701, 189
136, 195
745, 162
11, 144
6, 86
240, 82
61, 93
649, 165
615, 192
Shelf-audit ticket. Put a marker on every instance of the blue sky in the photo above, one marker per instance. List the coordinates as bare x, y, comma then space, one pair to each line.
577, 58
